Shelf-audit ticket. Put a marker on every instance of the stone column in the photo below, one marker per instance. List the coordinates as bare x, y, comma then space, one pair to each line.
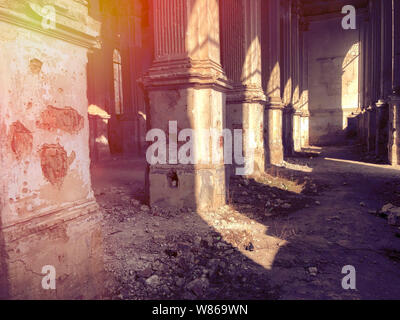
271, 37
367, 74
365, 41
137, 46
286, 54
371, 119
376, 74
369, 63
376, 43
287, 80
386, 49
381, 135
305, 114
48, 213
394, 99
364, 128
396, 47
305, 128
382, 107
296, 76
241, 55
186, 90
394, 126
129, 119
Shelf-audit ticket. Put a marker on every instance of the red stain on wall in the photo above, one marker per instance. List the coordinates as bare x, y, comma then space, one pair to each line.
55, 163
36, 66
21, 140
66, 119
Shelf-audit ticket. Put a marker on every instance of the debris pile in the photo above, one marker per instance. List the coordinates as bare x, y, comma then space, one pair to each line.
392, 213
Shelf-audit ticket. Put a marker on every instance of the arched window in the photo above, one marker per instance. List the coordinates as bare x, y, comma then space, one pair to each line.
119, 98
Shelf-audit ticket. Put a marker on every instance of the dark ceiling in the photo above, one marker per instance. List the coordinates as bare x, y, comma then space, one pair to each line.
317, 7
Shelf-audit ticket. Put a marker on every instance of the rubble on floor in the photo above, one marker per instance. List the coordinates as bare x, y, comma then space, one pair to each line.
284, 235
177, 254
392, 213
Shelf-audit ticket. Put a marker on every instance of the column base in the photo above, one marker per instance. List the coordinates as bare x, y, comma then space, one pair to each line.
98, 138
182, 186
273, 118
69, 239
363, 128
288, 142
371, 124
246, 105
297, 131
305, 129
382, 130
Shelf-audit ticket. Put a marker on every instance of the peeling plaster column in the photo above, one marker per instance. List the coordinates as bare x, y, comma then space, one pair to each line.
371, 54
137, 56
376, 20
129, 120
394, 100
367, 59
186, 90
375, 74
371, 120
296, 76
305, 114
241, 55
367, 26
396, 46
381, 135
386, 48
271, 67
286, 41
286, 76
48, 213
394, 127
382, 107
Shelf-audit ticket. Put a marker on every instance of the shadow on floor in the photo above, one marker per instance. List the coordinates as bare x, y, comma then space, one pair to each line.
286, 235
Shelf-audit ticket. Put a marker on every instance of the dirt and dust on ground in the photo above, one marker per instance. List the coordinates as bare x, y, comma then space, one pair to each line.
284, 235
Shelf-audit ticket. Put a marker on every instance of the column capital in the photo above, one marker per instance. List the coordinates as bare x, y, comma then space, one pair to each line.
274, 103
243, 93
298, 112
381, 103
296, 7
72, 21
395, 98
186, 71
304, 24
289, 108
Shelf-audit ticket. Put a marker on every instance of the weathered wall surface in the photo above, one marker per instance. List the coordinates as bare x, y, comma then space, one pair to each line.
48, 214
333, 61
